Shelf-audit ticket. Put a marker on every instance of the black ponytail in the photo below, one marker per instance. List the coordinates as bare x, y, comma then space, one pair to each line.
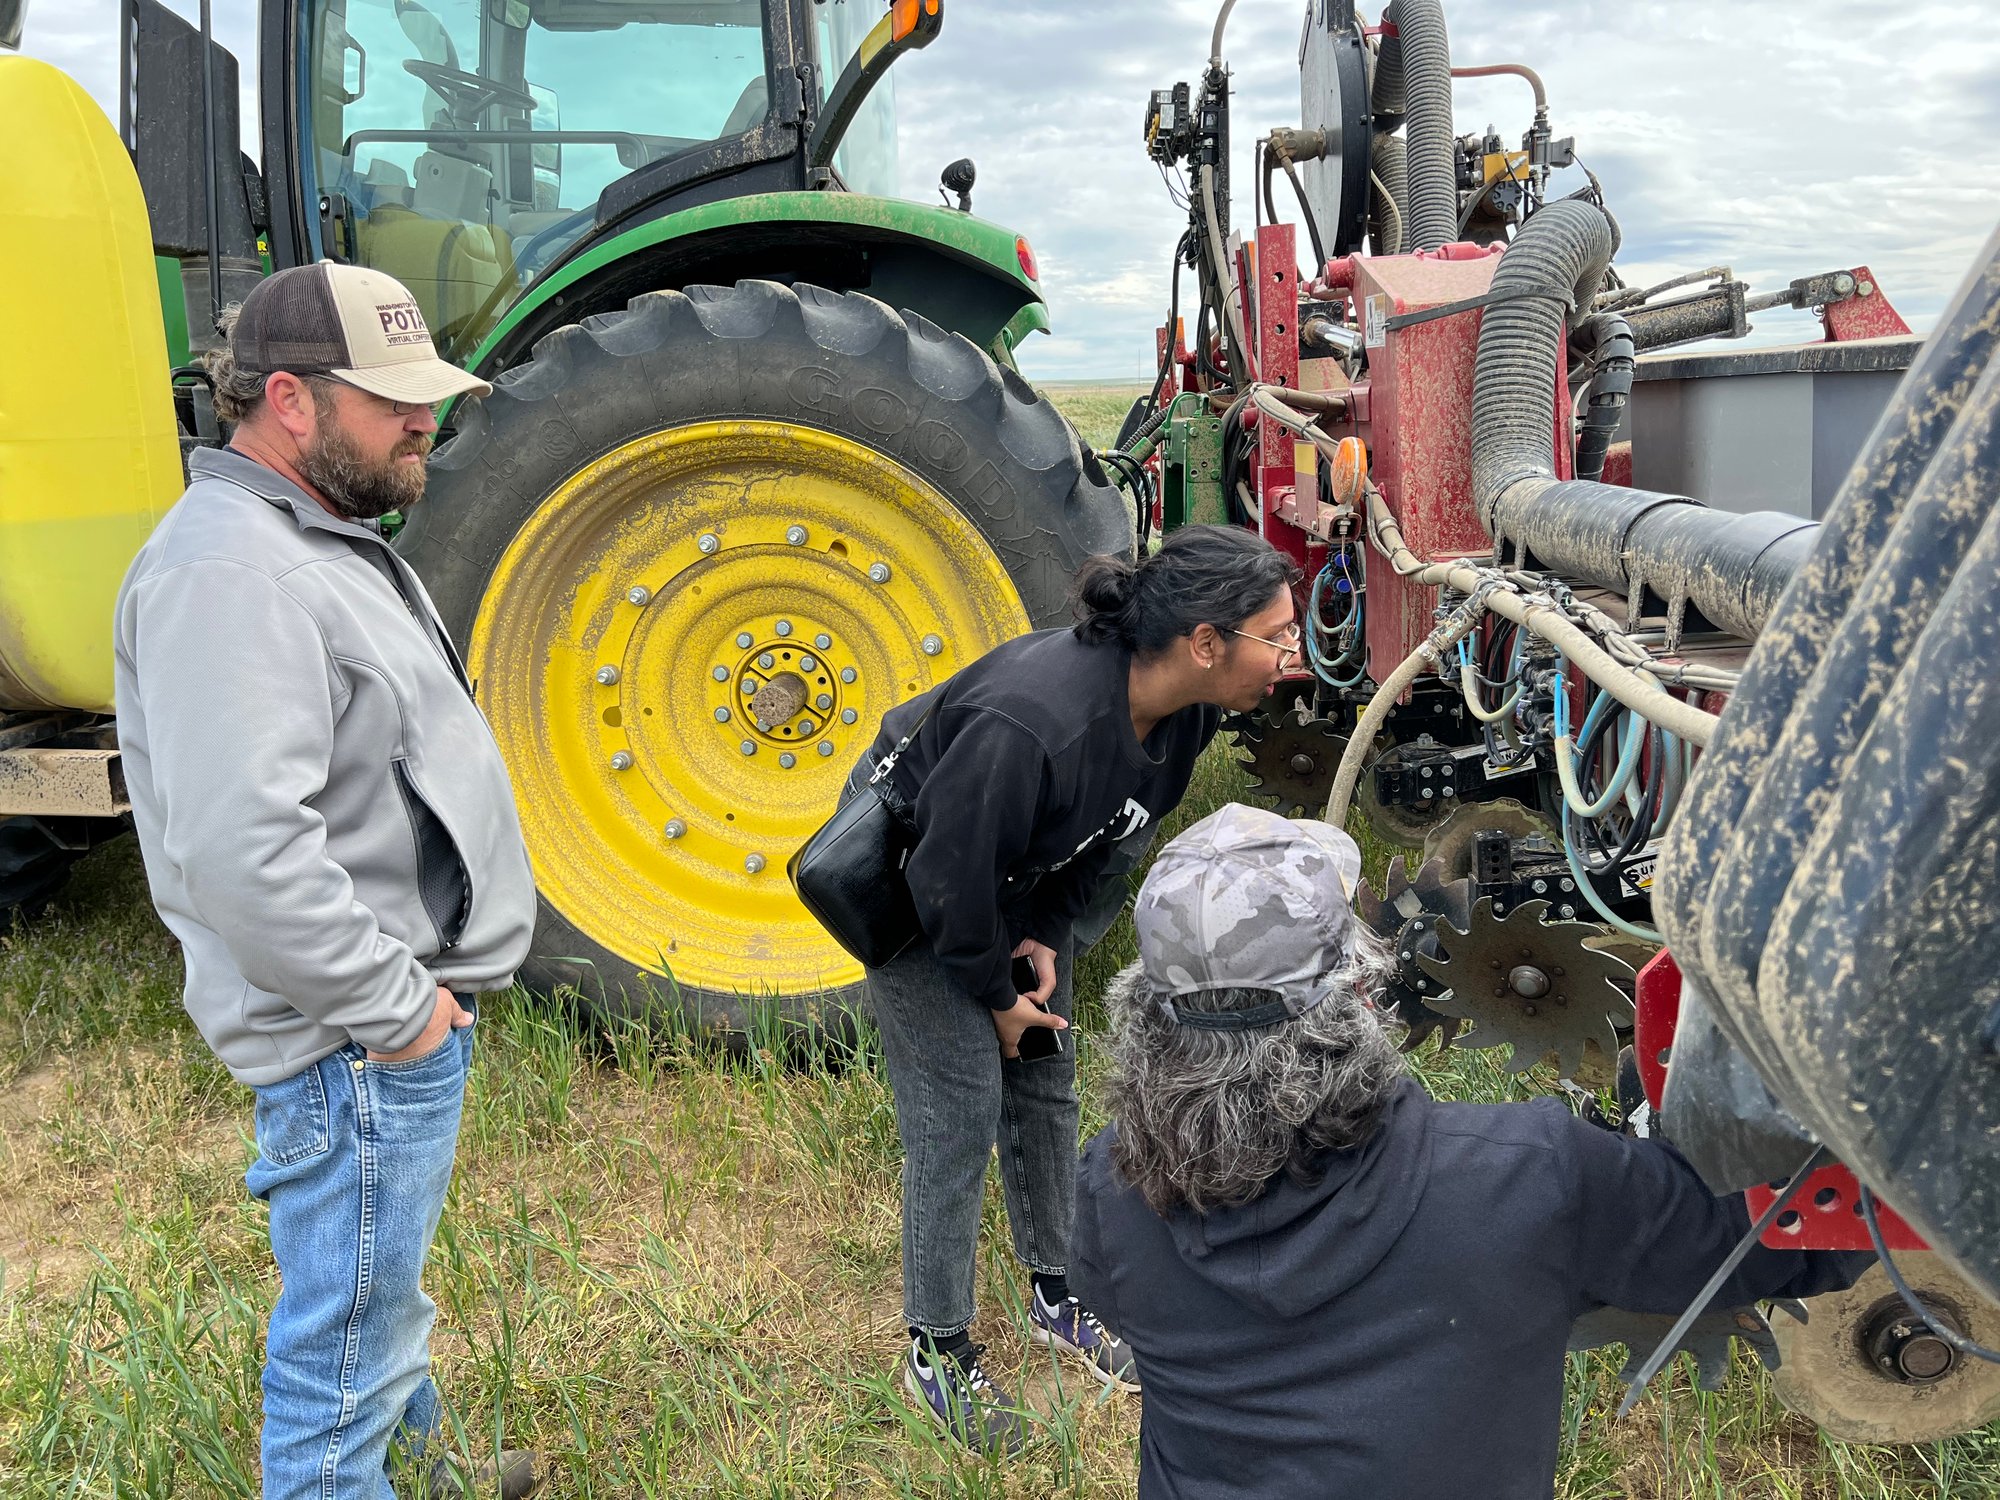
1202, 575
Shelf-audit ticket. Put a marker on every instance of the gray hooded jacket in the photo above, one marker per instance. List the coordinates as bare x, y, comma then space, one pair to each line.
327, 824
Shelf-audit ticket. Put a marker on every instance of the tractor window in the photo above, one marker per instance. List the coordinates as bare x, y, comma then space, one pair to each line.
471, 138
866, 159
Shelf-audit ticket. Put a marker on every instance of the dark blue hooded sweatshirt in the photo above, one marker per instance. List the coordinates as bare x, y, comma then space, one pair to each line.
1398, 1329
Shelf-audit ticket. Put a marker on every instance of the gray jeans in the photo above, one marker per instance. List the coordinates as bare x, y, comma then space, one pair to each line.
956, 1099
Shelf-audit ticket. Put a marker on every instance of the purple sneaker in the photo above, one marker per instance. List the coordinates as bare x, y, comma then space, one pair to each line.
1074, 1329
954, 1389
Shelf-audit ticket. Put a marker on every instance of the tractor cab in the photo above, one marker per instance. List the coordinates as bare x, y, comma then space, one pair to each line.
466, 146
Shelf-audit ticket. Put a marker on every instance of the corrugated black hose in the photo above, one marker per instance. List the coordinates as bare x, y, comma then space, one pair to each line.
1833, 877
1610, 385
1432, 162
1731, 568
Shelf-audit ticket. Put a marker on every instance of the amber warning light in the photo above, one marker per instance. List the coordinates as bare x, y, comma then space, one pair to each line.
905, 14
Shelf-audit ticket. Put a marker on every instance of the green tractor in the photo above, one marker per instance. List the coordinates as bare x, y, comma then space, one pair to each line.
757, 466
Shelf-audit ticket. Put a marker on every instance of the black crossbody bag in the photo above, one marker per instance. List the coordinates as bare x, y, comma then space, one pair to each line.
849, 875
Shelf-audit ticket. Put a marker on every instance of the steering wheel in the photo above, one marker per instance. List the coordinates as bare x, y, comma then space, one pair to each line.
466, 95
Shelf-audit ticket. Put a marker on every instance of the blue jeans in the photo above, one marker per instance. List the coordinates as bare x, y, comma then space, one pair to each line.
354, 1158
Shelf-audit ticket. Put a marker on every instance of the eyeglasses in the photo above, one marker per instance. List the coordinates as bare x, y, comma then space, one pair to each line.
399, 408
1289, 646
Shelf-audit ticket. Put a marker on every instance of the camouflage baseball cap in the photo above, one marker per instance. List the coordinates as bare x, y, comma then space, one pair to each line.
1247, 899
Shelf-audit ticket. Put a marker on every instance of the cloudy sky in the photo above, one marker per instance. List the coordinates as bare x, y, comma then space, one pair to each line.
1781, 138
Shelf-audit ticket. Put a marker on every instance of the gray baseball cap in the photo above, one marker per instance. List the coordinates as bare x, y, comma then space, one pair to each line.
1247, 899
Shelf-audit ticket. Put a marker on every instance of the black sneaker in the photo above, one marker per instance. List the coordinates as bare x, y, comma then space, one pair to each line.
1074, 1329
954, 1390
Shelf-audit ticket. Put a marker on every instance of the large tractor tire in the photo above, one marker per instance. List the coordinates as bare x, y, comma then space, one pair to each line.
693, 552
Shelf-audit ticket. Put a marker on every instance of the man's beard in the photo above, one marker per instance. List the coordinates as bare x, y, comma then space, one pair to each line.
358, 487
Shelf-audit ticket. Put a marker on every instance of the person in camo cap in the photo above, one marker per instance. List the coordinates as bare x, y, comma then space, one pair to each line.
1331, 1284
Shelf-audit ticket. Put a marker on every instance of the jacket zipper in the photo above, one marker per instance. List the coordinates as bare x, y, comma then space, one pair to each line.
413, 800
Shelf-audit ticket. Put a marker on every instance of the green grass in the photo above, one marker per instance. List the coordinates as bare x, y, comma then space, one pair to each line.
673, 1269
1095, 410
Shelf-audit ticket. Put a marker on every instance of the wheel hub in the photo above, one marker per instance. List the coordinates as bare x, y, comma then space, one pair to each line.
1903, 1347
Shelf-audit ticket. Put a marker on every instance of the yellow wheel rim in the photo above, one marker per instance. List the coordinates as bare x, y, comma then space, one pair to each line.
644, 617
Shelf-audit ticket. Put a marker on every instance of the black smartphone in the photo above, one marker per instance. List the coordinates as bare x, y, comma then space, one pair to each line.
1037, 1042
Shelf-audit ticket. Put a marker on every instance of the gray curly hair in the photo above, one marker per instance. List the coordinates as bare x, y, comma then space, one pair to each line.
238, 393
1207, 1118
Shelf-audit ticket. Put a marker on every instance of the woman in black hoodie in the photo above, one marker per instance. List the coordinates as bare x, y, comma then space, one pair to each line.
1034, 763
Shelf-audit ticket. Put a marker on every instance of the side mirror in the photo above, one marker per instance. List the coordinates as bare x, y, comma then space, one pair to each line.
12, 14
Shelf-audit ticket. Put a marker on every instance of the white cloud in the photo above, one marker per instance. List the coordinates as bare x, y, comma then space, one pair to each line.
1782, 138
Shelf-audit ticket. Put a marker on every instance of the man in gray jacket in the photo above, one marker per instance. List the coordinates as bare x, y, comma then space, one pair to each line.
329, 831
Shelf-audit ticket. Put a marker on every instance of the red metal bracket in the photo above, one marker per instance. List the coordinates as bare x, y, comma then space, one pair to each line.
1276, 267
1826, 1214
1866, 315
1657, 998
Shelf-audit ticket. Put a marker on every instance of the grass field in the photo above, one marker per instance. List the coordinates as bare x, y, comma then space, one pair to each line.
674, 1271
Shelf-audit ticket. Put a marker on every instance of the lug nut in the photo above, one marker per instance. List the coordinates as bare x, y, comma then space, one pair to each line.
823, 702
796, 535
767, 661
720, 674
676, 829
848, 716
748, 747
783, 627
743, 639
607, 675
754, 864
708, 541
639, 595
806, 726
722, 716
788, 760
847, 674
931, 645
826, 747
622, 761
823, 640
807, 664
750, 686
878, 572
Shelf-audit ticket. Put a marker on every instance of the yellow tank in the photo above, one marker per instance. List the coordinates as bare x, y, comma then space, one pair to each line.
89, 457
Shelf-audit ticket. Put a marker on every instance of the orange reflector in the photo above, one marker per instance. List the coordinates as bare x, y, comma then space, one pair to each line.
1026, 257
1348, 472
903, 16
931, 7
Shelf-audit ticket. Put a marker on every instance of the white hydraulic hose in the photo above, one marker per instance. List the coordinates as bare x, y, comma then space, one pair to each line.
1215, 42
1431, 653
1541, 616
1232, 286
1485, 588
